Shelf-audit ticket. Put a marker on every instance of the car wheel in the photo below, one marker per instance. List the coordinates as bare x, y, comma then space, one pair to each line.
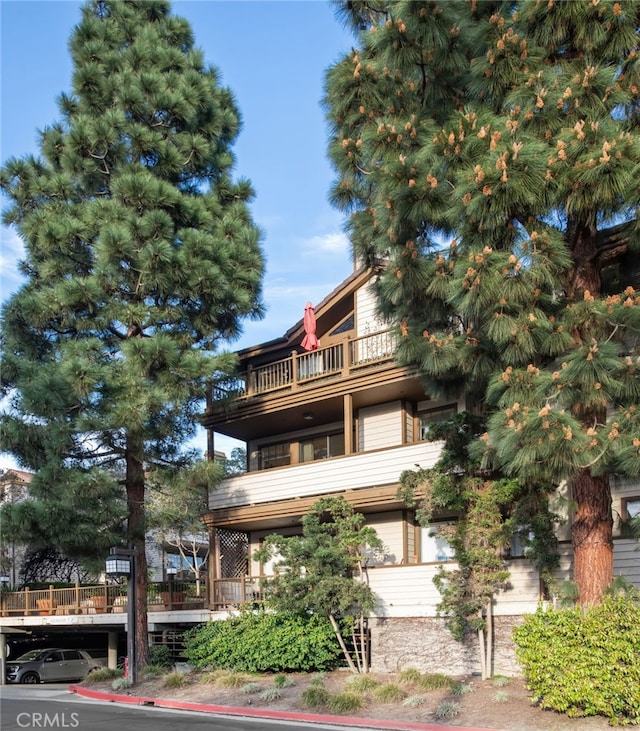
30, 678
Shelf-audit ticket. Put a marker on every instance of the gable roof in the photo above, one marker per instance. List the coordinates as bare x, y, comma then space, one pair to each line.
329, 311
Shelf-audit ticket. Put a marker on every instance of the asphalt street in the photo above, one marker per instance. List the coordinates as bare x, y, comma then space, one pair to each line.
53, 707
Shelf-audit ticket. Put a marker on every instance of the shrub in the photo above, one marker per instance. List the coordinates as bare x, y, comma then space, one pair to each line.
361, 683
98, 676
150, 672
270, 694
413, 701
435, 681
315, 697
460, 688
447, 709
174, 680
389, 693
344, 703
232, 680
161, 656
283, 681
252, 687
263, 642
585, 663
409, 675
120, 683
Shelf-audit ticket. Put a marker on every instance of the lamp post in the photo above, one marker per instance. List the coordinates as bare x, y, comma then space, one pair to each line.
121, 562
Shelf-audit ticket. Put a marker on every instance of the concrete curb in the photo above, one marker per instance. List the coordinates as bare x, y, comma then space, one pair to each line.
265, 713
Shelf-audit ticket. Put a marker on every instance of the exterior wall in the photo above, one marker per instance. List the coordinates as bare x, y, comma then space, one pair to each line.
388, 526
626, 559
426, 644
409, 591
323, 477
380, 426
366, 318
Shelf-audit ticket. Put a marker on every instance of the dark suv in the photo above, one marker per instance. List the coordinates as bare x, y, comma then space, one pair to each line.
50, 665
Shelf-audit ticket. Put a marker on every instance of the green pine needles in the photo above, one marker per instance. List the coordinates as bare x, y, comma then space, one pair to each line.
487, 155
142, 259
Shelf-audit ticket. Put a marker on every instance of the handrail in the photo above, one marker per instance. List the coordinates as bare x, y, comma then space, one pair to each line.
100, 599
301, 369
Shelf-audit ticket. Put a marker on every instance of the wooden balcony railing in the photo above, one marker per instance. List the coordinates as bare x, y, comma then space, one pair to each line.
236, 593
100, 599
301, 369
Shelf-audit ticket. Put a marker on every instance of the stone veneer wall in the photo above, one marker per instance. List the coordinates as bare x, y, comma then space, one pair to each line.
426, 644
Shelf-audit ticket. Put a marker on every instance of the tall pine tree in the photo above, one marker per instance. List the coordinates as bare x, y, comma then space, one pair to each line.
489, 154
141, 260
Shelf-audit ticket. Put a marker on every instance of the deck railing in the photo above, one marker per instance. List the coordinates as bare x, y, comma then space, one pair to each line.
301, 369
100, 599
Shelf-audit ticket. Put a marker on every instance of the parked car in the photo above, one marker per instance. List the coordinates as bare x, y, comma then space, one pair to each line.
50, 665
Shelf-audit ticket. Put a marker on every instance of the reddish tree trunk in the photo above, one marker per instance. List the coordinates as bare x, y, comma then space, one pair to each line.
136, 525
592, 536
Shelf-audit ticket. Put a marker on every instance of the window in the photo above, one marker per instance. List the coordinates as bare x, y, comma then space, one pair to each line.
322, 447
433, 416
630, 508
72, 655
345, 326
520, 543
434, 546
275, 455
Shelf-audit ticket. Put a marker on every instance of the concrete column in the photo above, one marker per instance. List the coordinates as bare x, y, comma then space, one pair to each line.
3, 657
112, 650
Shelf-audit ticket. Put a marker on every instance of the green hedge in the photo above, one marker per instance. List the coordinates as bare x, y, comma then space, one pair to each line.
585, 663
264, 642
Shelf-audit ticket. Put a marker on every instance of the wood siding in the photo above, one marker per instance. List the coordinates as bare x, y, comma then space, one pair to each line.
388, 527
380, 426
323, 477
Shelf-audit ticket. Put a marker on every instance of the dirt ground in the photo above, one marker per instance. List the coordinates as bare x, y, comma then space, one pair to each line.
501, 704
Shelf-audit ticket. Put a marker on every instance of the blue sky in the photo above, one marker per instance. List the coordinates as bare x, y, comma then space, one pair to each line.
272, 55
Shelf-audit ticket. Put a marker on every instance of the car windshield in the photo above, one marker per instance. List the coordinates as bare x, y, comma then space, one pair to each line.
32, 655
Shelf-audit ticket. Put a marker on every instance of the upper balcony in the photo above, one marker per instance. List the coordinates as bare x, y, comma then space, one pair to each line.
363, 367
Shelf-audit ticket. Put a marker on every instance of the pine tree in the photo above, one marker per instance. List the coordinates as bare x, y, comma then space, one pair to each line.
141, 260
489, 155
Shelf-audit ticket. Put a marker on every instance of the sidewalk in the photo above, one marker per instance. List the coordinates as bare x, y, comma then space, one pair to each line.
349, 721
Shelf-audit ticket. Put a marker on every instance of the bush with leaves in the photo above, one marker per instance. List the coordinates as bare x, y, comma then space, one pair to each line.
264, 642
585, 662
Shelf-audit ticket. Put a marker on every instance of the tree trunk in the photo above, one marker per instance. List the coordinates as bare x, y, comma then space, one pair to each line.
489, 641
136, 529
592, 536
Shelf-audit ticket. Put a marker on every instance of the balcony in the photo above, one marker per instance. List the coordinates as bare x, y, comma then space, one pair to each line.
99, 599
301, 370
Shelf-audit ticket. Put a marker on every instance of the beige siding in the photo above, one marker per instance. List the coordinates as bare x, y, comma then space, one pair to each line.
255, 541
380, 426
388, 527
323, 477
626, 559
404, 591
366, 319
409, 591
523, 594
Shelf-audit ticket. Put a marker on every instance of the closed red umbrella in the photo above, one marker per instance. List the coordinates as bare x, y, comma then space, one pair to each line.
310, 341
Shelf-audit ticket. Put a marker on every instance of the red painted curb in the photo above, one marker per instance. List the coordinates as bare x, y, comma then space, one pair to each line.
265, 713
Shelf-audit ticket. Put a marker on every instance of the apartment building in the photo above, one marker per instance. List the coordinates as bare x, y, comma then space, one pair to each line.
345, 419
